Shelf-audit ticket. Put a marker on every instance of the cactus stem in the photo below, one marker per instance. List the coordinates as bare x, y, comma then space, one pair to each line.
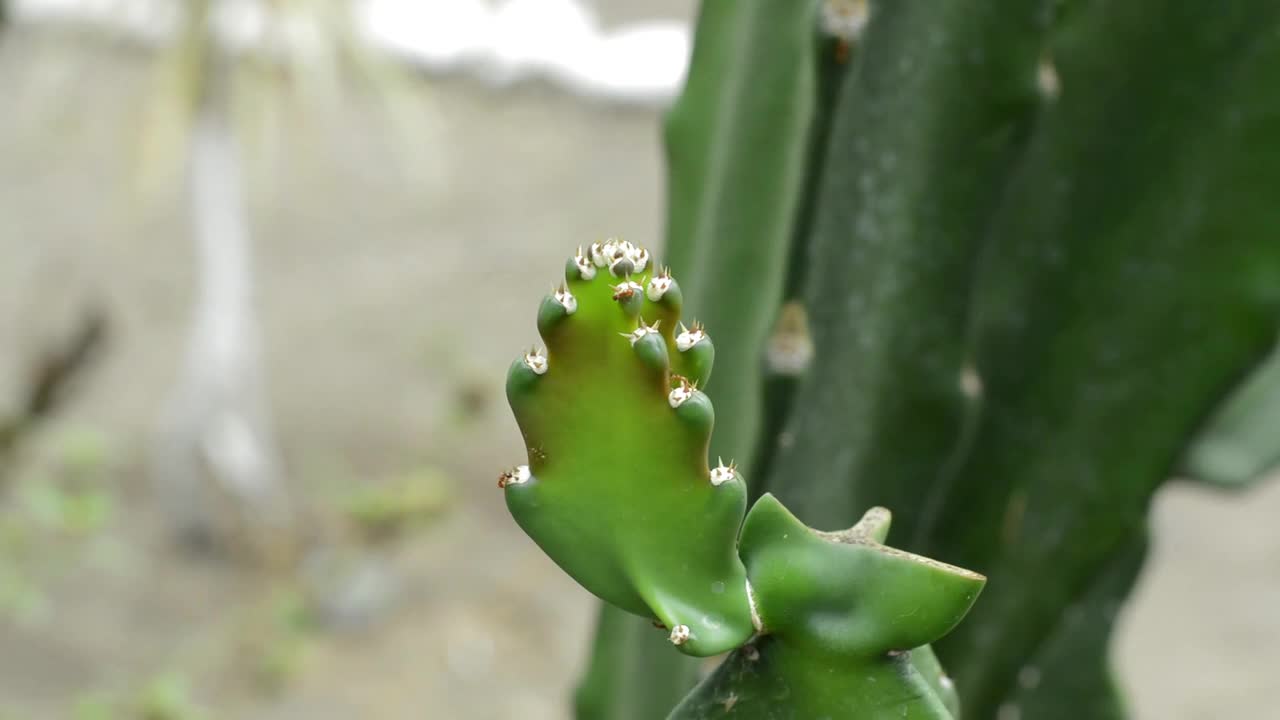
536, 360
679, 635
517, 475
566, 299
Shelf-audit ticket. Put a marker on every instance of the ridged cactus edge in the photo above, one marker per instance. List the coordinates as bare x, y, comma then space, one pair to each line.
619, 491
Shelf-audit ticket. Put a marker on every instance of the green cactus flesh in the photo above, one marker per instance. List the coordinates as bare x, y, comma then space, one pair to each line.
845, 623
618, 490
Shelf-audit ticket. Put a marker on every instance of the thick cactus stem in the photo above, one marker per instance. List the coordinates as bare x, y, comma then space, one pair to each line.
618, 490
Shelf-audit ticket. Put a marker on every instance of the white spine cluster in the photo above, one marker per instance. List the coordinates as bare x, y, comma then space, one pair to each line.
722, 473
679, 394
658, 286
566, 299
517, 475
625, 290
536, 360
638, 334
679, 635
586, 268
689, 337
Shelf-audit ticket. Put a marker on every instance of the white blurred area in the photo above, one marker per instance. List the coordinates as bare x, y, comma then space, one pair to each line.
500, 42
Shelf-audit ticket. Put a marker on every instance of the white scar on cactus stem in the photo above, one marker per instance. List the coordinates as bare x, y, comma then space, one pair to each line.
566, 299
756, 622
689, 337
679, 635
517, 475
585, 267
536, 360
723, 473
659, 285
640, 332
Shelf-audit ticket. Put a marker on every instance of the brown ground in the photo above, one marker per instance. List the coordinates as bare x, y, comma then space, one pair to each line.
381, 295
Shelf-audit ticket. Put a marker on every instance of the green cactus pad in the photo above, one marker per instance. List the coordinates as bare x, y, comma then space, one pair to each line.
846, 621
618, 490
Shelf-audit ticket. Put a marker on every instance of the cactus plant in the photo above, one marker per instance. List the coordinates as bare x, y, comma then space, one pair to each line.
619, 492
1032, 243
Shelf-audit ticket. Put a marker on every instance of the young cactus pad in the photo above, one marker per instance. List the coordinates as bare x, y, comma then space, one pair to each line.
845, 622
618, 490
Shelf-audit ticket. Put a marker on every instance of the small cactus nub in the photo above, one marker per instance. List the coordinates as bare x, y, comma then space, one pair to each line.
536, 360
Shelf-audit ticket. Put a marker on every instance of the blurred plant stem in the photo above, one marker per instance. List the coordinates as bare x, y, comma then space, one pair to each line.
215, 435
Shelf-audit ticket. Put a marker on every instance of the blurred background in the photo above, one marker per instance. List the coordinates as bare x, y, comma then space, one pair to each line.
263, 265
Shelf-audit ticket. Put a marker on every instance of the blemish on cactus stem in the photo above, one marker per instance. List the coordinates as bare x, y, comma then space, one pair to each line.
970, 382
626, 290
517, 475
1009, 711
536, 360
756, 622
585, 267
680, 393
689, 337
723, 473
639, 333
790, 348
1047, 80
750, 653
845, 19
659, 624
679, 635
566, 299
659, 285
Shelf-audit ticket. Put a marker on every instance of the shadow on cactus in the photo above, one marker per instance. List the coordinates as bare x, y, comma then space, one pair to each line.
619, 492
